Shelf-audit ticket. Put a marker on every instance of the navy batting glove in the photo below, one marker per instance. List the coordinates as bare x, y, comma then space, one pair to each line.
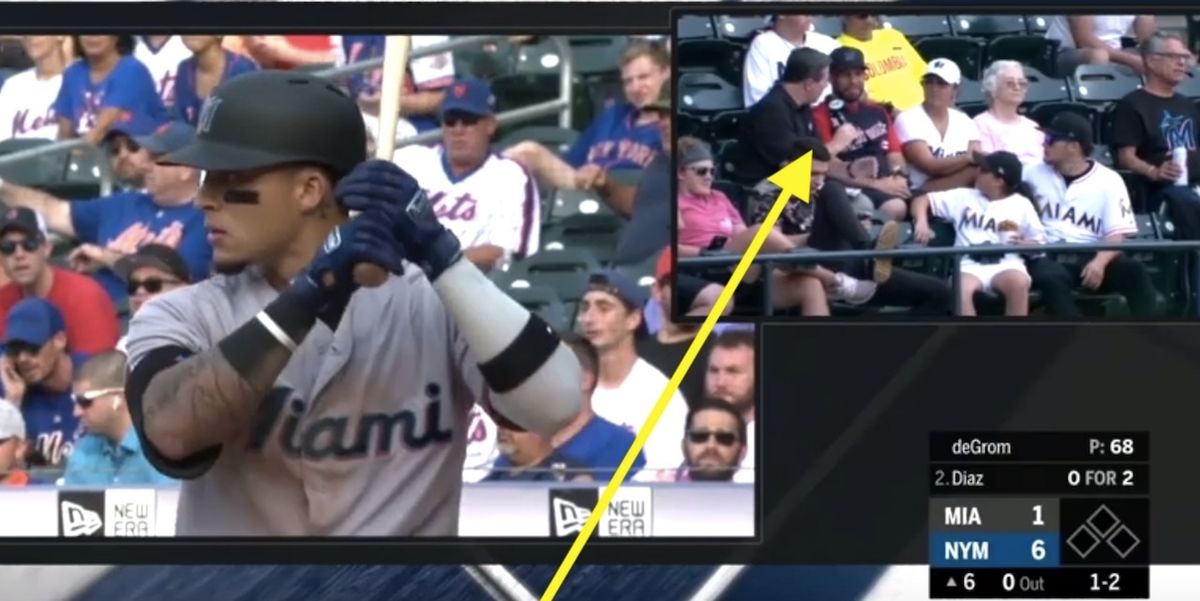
379, 185
328, 282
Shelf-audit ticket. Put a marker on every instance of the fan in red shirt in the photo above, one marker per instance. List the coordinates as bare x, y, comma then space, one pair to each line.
25, 250
873, 164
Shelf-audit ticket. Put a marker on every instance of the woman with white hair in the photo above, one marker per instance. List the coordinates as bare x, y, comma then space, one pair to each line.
1001, 127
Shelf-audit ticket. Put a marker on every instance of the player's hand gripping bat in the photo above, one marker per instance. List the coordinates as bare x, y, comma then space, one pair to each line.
395, 63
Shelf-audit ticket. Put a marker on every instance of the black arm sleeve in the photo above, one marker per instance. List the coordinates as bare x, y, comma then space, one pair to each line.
136, 383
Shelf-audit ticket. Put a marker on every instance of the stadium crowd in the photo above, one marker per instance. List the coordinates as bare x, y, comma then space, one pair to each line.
523, 201
957, 131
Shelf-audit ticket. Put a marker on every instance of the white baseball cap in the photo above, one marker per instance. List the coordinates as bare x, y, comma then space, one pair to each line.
11, 422
945, 69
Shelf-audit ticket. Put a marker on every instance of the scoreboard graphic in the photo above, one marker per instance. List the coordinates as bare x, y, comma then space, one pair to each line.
1033, 515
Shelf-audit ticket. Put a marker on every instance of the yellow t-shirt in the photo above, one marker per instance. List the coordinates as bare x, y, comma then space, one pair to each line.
894, 68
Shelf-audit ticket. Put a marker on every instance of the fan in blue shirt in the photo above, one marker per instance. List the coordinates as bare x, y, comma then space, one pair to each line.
111, 227
623, 137
591, 447
208, 58
107, 87
110, 452
35, 375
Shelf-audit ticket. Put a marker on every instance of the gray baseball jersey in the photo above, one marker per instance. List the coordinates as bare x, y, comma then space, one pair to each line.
365, 432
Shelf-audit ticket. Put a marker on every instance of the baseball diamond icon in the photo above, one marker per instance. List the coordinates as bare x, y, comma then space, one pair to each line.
1103, 527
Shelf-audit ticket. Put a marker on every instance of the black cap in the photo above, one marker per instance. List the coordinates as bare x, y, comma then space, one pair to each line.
1071, 126
158, 256
846, 58
24, 220
267, 118
803, 64
1004, 164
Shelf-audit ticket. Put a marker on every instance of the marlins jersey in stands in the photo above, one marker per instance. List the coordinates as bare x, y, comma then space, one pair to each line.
1086, 209
495, 204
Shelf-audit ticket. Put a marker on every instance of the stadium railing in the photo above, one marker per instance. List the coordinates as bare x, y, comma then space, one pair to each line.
562, 105
811, 256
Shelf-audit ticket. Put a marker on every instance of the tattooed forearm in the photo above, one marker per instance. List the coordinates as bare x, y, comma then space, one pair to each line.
203, 401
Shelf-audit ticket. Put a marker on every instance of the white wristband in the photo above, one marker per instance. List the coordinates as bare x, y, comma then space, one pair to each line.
276, 331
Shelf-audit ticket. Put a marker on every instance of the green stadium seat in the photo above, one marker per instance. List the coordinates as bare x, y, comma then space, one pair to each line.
1043, 88
575, 202
695, 27
726, 125
1101, 84
966, 52
38, 172
830, 26
488, 60
1037, 24
555, 138
596, 55
691, 125
545, 303
524, 89
970, 91
719, 57
987, 25
740, 29
541, 57
1032, 50
593, 233
706, 94
566, 271
916, 27
1167, 269
83, 175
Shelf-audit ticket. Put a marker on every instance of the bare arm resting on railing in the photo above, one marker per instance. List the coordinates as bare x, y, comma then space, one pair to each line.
56, 211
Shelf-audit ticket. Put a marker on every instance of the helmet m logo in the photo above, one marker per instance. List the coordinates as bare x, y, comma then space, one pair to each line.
207, 114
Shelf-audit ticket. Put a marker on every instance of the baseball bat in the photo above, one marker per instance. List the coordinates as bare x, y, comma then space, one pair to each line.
395, 63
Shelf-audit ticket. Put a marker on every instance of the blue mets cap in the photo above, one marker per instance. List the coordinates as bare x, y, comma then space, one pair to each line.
472, 96
168, 138
618, 285
33, 321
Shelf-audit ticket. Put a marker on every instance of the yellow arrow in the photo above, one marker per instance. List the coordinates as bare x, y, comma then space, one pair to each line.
793, 180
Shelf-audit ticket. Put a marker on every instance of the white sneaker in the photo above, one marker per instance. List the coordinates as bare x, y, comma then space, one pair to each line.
851, 290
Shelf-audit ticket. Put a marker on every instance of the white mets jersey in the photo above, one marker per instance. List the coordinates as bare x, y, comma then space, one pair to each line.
1090, 208
365, 432
27, 106
495, 204
163, 63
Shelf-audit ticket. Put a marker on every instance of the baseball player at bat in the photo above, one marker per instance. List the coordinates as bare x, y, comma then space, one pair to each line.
291, 400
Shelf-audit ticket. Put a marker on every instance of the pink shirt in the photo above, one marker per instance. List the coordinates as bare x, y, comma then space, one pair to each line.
705, 218
1022, 138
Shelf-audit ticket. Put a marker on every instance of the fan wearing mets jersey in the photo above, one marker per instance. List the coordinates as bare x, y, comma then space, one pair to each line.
996, 211
289, 399
1084, 202
488, 201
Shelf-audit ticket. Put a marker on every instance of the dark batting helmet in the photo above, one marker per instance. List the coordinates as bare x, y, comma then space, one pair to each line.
267, 118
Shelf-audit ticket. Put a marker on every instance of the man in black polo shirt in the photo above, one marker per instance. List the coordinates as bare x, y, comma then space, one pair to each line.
872, 165
772, 125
